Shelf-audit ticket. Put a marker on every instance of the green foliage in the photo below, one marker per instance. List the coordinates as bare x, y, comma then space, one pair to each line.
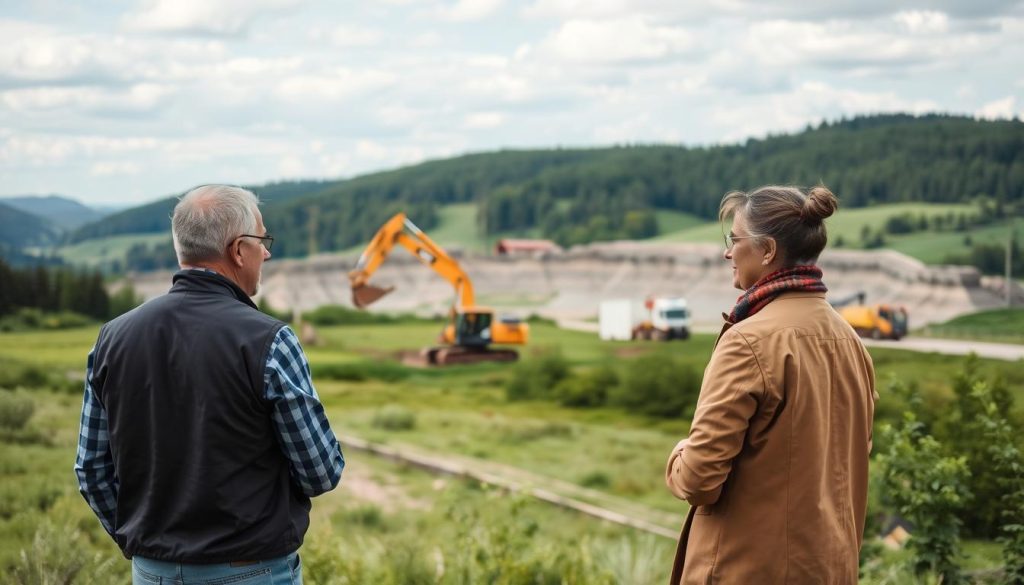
264, 306
124, 300
930, 490
990, 258
59, 556
15, 410
961, 429
394, 417
538, 376
589, 389
1008, 461
339, 315
27, 319
53, 290
387, 371
658, 385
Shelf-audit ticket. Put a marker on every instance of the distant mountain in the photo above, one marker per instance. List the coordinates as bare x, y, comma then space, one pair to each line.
62, 212
19, 229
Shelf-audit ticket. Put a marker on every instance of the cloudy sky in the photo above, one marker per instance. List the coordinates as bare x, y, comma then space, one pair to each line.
144, 98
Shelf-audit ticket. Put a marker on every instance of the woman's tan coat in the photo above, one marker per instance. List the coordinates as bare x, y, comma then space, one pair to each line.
776, 463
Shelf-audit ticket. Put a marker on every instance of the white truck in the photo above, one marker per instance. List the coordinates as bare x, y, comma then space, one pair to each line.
660, 318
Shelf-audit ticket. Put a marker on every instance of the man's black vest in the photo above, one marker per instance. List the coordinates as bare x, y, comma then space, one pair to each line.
201, 476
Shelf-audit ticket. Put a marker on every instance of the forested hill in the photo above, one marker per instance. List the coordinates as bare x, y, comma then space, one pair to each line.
576, 195
154, 217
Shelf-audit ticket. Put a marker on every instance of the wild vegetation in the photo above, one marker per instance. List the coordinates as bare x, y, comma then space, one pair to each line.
595, 422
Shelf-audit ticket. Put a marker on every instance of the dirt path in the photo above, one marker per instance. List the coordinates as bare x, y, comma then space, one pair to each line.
553, 491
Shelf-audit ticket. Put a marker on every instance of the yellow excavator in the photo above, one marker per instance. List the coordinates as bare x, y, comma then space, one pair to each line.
471, 329
875, 321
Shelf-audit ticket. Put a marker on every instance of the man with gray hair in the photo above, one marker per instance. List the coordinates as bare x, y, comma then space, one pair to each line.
202, 437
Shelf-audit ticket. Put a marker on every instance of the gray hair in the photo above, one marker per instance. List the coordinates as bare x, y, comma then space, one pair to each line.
208, 218
795, 219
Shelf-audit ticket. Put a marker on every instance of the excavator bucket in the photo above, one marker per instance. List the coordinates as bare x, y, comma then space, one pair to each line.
364, 295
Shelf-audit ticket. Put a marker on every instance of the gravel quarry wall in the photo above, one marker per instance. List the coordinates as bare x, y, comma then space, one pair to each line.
570, 285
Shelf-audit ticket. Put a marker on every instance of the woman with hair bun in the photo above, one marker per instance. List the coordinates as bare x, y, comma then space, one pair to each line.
775, 467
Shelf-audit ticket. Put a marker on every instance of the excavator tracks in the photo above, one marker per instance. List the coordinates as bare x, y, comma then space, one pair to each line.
454, 355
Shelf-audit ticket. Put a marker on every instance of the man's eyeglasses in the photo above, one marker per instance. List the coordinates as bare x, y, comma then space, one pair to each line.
267, 240
730, 240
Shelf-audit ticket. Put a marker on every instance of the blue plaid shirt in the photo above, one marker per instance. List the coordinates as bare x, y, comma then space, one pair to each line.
302, 429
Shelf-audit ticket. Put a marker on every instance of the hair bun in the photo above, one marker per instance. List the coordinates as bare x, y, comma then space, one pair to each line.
820, 203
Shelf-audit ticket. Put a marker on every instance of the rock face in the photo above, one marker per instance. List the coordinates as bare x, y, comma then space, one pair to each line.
571, 284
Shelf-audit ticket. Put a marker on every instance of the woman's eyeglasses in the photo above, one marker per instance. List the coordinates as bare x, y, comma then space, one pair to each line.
730, 240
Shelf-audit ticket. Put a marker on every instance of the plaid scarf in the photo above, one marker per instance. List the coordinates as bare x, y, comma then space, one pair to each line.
764, 291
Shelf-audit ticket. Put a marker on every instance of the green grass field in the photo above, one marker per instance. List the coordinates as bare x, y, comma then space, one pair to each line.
997, 325
386, 512
109, 249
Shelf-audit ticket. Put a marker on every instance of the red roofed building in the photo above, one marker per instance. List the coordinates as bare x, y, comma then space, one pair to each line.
510, 247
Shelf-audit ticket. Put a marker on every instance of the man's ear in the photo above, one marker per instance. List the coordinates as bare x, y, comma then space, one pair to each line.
235, 252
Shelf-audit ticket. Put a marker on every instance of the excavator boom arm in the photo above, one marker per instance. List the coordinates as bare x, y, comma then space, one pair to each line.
400, 230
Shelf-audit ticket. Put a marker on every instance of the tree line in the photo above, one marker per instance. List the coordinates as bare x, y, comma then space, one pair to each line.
582, 195
30, 292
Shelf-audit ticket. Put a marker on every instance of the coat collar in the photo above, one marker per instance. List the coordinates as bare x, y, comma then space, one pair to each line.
199, 280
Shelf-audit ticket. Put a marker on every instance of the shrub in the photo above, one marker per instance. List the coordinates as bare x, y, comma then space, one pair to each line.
537, 377
587, 390
596, 479
59, 555
525, 432
1008, 460
14, 375
338, 315
930, 490
657, 385
27, 319
15, 410
394, 418
362, 371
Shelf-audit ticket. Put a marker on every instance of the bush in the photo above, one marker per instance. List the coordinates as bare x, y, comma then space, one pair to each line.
338, 315
18, 375
657, 385
15, 410
394, 418
930, 490
537, 377
27, 319
362, 371
587, 390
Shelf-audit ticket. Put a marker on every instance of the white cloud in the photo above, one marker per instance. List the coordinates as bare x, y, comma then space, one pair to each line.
113, 168
42, 149
338, 84
483, 120
142, 97
809, 103
1001, 109
348, 36
923, 21
849, 44
614, 41
291, 166
219, 18
470, 10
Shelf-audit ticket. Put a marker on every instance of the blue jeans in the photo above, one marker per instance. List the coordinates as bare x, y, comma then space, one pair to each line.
286, 570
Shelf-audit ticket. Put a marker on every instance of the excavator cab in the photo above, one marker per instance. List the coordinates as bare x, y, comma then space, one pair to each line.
473, 329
